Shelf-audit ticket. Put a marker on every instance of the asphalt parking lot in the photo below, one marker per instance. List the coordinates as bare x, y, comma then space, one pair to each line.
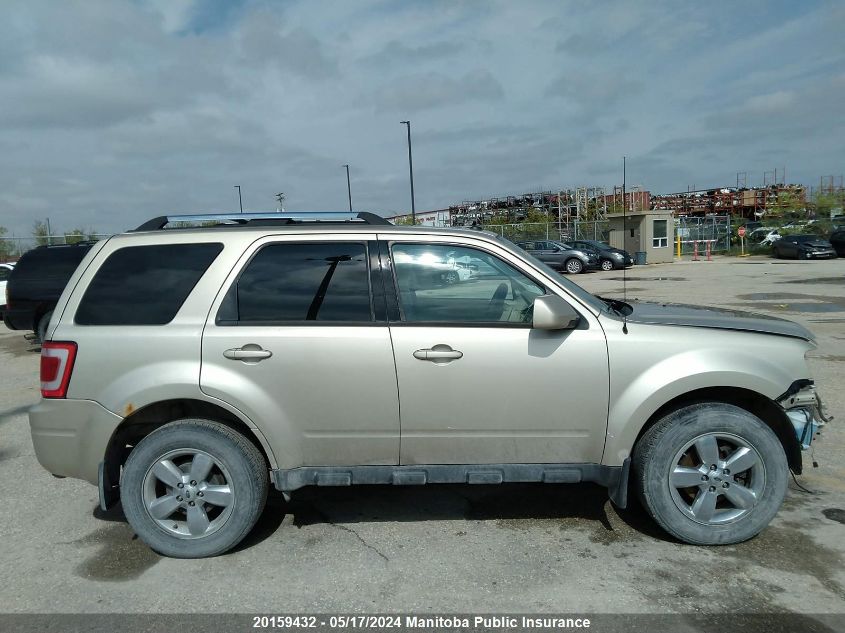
452, 549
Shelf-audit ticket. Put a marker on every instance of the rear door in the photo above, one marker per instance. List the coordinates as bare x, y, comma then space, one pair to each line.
548, 253
298, 339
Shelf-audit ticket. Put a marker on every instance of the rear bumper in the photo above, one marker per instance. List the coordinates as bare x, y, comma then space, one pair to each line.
70, 436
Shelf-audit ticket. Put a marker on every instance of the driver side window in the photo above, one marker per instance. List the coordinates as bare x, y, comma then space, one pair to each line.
442, 283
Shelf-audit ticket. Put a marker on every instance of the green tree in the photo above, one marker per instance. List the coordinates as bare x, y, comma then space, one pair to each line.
790, 204
824, 203
75, 236
40, 233
404, 221
6, 246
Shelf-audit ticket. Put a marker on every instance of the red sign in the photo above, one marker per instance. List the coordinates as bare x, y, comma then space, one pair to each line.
741, 231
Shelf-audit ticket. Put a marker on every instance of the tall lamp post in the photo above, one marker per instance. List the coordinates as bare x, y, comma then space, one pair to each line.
240, 200
348, 188
411, 171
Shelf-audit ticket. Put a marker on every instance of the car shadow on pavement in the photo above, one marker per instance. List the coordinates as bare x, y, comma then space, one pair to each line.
511, 505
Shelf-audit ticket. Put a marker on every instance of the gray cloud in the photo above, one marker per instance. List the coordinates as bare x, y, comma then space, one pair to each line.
116, 112
431, 90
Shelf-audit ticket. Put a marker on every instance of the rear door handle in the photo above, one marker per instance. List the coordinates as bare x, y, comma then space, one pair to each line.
438, 354
248, 353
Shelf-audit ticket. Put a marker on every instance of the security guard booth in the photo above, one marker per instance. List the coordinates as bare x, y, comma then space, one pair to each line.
648, 235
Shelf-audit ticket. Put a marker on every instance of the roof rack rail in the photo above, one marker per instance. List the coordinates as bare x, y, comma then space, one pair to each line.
265, 219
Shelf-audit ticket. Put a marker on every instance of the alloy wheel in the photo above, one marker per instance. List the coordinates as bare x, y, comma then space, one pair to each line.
188, 493
717, 478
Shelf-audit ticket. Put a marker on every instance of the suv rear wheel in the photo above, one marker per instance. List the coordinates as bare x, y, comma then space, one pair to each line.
43, 324
194, 488
711, 473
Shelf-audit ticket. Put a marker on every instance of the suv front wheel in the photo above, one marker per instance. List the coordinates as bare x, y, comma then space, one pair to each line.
194, 488
711, 474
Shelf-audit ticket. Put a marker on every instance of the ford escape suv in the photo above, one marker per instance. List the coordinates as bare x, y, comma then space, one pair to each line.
185, 370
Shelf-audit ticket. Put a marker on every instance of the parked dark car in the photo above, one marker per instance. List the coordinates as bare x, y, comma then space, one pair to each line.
837, 240
609, 257
803, 247
37, 282
562, 256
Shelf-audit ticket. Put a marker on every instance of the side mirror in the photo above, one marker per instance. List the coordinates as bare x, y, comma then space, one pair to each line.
553, 313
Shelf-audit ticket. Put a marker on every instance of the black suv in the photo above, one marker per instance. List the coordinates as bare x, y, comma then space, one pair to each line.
36, 284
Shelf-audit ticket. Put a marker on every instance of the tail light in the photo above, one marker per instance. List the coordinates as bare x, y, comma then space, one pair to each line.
56, 365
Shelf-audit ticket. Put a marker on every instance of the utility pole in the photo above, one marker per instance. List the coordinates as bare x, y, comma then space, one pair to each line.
348, 188
411, 171
281, 198
240, 200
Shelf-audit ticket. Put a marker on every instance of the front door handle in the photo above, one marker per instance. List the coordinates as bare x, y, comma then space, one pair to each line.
250, 353
438, 354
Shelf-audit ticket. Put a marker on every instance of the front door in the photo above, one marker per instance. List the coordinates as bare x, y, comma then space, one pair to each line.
476, 383
298, 342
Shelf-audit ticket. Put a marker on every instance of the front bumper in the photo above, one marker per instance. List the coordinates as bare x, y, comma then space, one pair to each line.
828, 254
70, 436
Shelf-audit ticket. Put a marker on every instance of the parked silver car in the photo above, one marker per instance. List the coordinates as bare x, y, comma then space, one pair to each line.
562, 256
186, 370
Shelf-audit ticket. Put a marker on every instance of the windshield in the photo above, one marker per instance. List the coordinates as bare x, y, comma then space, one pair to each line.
590, 299
805, 238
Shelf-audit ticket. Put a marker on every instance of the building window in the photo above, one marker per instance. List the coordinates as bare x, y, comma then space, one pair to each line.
659, 236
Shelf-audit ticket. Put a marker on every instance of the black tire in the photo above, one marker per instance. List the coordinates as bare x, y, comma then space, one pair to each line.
43, 324
573, 266
451, 277
241, 466
655, 458
607, 265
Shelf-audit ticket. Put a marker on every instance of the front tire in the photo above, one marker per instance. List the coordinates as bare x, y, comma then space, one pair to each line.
574, 266
711, 474
194, 488
606, 265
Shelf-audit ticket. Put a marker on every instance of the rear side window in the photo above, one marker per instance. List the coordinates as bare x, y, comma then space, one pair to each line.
144, 285
289, 282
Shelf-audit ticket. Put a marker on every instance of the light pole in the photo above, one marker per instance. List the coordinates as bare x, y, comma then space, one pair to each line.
411, 171
348, 188
240, 201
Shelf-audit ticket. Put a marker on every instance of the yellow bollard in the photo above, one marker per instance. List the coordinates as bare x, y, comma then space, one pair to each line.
679, 247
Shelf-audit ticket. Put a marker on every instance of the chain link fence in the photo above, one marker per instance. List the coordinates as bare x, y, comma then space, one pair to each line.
593, 230
714, 230
11, 248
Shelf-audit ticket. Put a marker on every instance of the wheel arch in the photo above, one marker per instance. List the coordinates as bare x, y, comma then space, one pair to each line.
755, 403
147, 419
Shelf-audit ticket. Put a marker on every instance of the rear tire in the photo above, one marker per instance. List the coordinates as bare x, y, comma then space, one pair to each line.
711, 474
194, 488
573, 266
43, 324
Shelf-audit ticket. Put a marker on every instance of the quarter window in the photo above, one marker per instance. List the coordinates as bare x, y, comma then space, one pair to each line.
448, 284
144, 285
289, 282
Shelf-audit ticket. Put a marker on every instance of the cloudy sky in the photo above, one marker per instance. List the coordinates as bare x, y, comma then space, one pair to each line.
114, 112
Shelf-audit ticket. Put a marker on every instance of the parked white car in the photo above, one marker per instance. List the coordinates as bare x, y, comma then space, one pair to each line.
764, 236
5, 271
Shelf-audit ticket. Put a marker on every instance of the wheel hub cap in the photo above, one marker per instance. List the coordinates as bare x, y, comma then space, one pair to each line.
188, 493
716, 478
